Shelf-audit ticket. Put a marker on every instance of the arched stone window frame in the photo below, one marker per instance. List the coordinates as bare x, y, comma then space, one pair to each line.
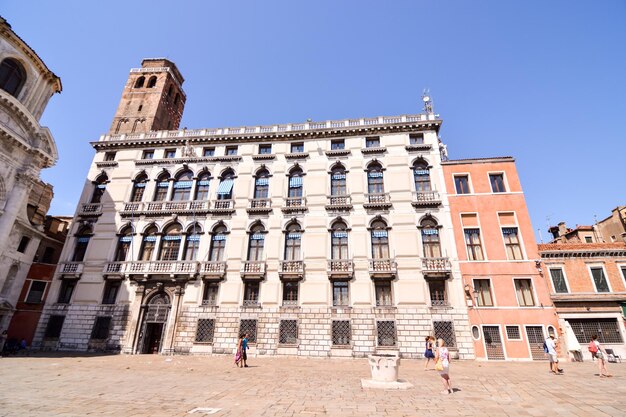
163, 185
379, 238
293, 241
256, 241
13, 76
139, 82
430, 235
338, 175
182, 185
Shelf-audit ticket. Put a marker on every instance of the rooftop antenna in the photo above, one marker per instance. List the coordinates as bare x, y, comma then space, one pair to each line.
428, 102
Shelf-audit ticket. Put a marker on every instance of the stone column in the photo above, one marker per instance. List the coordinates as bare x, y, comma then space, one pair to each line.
17, 199
134, 320
169, 340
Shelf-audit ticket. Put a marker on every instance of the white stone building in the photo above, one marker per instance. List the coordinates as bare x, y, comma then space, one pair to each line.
317, 238
26, 147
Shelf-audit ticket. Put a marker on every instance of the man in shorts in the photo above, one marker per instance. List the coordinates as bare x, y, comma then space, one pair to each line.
552, 355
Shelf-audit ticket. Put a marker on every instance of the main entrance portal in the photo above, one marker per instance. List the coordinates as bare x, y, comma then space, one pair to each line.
153, 326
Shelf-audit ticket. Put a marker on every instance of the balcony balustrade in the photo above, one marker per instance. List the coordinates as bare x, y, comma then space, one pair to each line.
223, 206
377, 200
291, 269
90, 209
260, 205
340, 268
294, 204
338, 202
426, 199
147, 268
436, 266
156, 208
383, 267
212, 269
71, 268
253, 269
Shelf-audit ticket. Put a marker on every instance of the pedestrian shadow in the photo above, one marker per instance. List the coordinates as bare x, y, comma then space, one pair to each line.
456, 390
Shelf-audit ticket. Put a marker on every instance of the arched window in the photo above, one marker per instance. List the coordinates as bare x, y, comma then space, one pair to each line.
12, 76
182, 186
152, 81
192, 242
140, 81
375, 179
256, 242
225, 189
99, 188
293, 242
202, 186
162, 187
295, 183
338, 181
82, 240
124, 243
170, 243
218, 243
139, 188
339, 240
380, 240
430, 239
148, 244
421, 175
262, 184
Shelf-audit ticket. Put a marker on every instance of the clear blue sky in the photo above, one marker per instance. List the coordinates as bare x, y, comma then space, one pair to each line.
543, 81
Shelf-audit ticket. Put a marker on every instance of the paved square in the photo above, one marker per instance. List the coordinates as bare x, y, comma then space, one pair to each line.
152, 385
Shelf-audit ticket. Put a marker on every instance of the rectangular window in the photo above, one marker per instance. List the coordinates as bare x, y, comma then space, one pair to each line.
67, 288
340, 294
288, 332
445, 330
437, 293
290, 293
624, 273
248, 327
109, 156
558, 280
209, 296
386, 332
265, 149
497, 183
170, 153
461, 183
341, 332
111, 288
588, 239
512, 244
524, 291
483, 293
148, 154
373, 142
21, 248
54, 327
208, 151
36, 291
205, 330
513, 333
231, 150
337, 145
416, 139
101, 328
383, 294
297, 147
251, 294
599, 279
474, 245
48, 255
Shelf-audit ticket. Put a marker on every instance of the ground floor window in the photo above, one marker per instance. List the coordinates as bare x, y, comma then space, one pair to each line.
53, 329
205, 330
607, 330
341, 333
101, 328
248, 327
513, 333
288, 332
445, 330
386, 331
209, 296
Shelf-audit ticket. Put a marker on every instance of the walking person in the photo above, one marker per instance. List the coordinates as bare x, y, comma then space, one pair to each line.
600, 354
244, 350
428, 352
442, 364
238, 352
550, 346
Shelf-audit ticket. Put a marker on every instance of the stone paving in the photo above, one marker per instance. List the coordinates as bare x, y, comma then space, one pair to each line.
152, 385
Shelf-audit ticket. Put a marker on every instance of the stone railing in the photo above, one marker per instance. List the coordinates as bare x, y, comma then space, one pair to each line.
223, 206
212, 269
291, 268
340, 267
381, 200
294, 204
71, 268
165, 207
436, 265
90, 209
426, 198
259, 205
385, 267
152, 267
338, 202
253, 269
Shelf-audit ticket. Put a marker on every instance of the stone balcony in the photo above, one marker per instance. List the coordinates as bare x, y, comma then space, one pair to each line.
436, 267
148, 268
416, 147
90, 210
253, 270
291, 269
259, 206
263, 156
223, 206
294, 205
212, 270
383, 268
165, 208
426, 199
338, 202
374, 150
377, 201
297, 155
74, 269
340, 268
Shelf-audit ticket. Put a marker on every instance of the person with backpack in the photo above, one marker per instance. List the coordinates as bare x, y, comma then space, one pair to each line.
598, 352
550, 349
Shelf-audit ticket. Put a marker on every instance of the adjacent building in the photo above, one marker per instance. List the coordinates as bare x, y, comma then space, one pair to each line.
510, 310
613, 228
329, 238
26, 147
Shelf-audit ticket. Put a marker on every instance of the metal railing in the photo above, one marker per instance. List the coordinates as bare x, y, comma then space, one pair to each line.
251, 303
436, 264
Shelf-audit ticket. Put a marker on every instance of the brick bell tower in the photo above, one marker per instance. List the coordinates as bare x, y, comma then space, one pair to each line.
153, 99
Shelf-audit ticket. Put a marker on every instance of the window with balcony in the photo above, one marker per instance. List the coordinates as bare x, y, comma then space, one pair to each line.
340, 294
218, 243
295, 183
202, 186
265, 149
339, 240
416, 139
111, 288
262, 184
162, 187
100, 185
148, 243
337, 145
373, 142
208, 151
124, 242
473, 244
380, 240
558, 280
256, 241
293, 242
66, 291
421, 176
524, 291
461, 184
251, 293
82, 241
297, 147
148, 154
599, 279
231, 151
290, 293
36, 292
225, 189
182, 186
139, 188
192, 242
170, 243
497, 183
338, 181
512, 243
383, 294
430, 239
482, 288
209, 295
375, 183
170, 153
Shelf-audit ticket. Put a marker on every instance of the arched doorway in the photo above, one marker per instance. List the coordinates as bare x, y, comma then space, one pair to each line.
154, 321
